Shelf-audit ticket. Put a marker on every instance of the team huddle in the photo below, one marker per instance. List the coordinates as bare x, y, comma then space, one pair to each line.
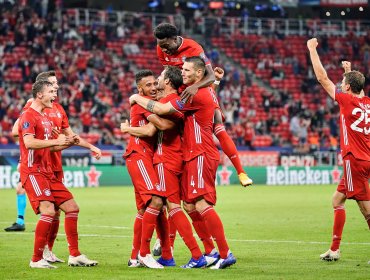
172, 158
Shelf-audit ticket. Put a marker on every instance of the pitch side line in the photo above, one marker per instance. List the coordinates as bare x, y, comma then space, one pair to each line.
232, 240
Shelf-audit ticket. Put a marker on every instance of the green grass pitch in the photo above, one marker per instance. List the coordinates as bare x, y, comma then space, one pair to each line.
275, 233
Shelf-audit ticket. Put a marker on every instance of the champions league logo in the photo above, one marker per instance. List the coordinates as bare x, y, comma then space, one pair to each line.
180, 104
26, 125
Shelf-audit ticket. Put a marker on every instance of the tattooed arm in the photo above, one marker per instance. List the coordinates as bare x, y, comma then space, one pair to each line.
153, 106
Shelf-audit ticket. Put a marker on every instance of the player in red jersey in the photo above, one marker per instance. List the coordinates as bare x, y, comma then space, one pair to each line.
59, 120
354, 141
200, 153
149, 193
44, 190
173, 50
168, 160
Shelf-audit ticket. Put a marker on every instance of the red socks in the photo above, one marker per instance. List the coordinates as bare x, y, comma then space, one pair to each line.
149, 221
216, 228
184, 227
339, 220
228, 146
164, 236
41, 233
173, 230
53, 232
202, 231
70, 227
136, 242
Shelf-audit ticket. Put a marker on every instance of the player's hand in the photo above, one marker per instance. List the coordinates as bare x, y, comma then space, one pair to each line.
63, 140
219, 73
76, 139
312, 44
96, 152
55, 132
132, 99
346, 66
124, 126
188, 94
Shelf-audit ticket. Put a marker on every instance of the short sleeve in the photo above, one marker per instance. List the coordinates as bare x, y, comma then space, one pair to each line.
27, 125
181, 106
198, 51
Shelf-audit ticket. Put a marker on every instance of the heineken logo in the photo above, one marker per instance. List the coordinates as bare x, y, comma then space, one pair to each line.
9, 178
301, 176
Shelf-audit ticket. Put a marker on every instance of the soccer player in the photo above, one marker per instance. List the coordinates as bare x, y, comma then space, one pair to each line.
148, 192
59, 120
168, 160
354, 138
45, 192
173, 50
200, 153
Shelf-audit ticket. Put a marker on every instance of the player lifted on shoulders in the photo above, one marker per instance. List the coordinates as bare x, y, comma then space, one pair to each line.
173, 50
354, 141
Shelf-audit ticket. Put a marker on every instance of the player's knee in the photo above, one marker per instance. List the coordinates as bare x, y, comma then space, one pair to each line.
141, 211
48, 211
201, 205
156, 202
188, 207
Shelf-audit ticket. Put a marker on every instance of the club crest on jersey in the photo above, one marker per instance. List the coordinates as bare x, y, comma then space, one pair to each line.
59, 115
158, 187
180, 103
26, 125
47, 192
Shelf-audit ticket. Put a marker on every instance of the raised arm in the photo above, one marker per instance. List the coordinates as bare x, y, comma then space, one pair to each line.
219, 74
318, 68
147, 130
152, 106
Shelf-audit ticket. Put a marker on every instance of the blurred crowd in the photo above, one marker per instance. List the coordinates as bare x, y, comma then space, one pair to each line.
96, 76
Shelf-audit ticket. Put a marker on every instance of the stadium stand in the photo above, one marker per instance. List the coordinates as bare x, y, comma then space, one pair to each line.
95, 58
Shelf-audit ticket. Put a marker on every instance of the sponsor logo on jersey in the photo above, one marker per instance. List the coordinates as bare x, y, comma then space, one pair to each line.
26, 125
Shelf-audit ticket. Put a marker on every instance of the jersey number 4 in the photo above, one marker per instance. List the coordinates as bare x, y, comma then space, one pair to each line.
364, 116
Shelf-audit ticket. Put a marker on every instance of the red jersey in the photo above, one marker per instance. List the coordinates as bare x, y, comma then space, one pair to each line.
354, 125
144, 145
34, 161
198, 124
59, 120
169, 144
188, 48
